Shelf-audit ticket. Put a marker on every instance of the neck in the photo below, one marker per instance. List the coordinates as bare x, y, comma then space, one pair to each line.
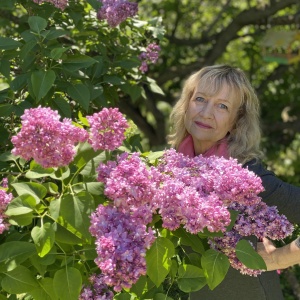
202, 147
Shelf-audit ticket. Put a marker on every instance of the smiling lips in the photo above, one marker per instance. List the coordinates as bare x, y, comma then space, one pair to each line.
202, 125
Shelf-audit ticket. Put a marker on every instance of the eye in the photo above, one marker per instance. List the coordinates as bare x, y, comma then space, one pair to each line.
223, 106
200, 99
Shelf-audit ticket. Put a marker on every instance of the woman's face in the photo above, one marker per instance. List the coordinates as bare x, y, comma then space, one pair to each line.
209, 118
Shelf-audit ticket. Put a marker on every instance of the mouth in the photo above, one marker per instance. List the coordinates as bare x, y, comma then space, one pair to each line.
202, 125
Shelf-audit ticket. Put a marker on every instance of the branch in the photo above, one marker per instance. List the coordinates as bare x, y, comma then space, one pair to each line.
221, 40
156, 137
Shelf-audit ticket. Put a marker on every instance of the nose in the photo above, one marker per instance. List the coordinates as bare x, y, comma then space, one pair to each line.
206, 109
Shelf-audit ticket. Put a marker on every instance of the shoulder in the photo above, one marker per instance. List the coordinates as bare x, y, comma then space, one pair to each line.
258, 167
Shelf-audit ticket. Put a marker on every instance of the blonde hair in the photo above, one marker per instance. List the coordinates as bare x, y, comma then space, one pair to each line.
245, 136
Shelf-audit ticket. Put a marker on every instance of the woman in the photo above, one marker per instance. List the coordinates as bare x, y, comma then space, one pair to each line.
218, 114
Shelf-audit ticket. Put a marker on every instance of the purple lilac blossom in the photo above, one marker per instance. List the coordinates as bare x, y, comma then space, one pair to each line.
151, 55
50, 142
121, 243
96, 290
5, 199
61, 4
257, 220
4, 183
107, 129
116, 11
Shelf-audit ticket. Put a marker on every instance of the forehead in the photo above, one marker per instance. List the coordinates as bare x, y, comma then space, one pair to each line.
222, 90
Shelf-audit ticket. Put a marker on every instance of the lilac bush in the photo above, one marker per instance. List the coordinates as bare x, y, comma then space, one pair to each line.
142, 204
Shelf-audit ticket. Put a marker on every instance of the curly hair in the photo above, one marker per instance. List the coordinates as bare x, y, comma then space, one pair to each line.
245, 137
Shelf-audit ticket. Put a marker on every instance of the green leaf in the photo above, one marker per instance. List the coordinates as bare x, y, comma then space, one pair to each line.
123, 296
27, 49
46, 290
62, 106
42, 81
216, 265
43, 238
67, 283
94, 188
21, 220
19, 280
114, 80
37, 24
51, 187
156, 89
248, 256
54, 33
7, 156
61, 173
63, 235
9, 43
74, 212
189, 239
6, 110
90, 168
81, 94
5, 67
85, 154
37, 171
190, 278
56, 53
14, 253
134, 91
160, 296
78, 61
233, 217
21, 205
19, 82
158, 259
37, 190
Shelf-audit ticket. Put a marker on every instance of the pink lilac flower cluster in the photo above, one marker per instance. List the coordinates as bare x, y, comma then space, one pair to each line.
132, 186
96, 290
61, 4
214, 175
121, 244
258, 220
116, 11
149, 56
46, 139
107, 129
5, 199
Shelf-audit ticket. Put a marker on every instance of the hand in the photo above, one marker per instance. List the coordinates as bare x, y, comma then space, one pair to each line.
267, 251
